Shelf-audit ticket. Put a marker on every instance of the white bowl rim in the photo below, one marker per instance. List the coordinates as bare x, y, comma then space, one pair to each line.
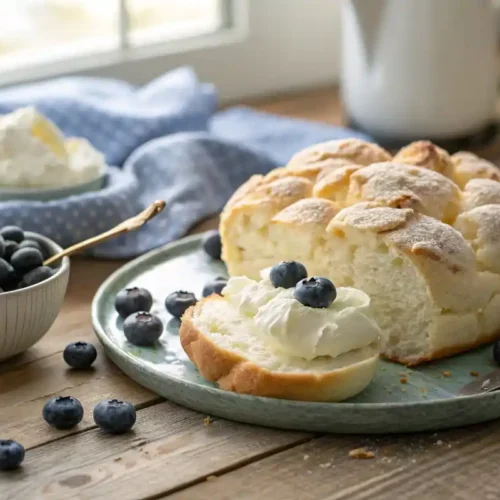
54, 247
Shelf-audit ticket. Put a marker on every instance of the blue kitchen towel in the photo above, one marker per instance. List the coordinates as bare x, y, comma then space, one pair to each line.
167, 143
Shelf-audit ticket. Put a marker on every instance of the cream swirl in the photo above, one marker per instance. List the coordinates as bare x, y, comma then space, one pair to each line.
293, 329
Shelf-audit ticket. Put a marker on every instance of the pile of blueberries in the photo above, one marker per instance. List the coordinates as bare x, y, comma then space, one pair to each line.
65, 412
143, 328
21, 260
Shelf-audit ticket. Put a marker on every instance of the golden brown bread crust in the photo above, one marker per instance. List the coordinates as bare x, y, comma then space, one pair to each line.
447, 260
426, 155
352, 150
233, 372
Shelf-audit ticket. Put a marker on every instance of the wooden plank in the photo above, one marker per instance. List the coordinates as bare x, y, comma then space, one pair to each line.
171, 447
454, 464
29, 380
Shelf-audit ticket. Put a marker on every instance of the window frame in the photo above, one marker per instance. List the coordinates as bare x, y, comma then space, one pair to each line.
264, 47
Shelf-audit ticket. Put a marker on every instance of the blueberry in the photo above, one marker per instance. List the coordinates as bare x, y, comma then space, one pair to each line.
11, 454
28, 243
131, 300
212, 244
13, 279
2, 247
13, 233
142, 328
63, 412
10, 248
80, 355
214, 287
287, 274
35, 276
6, 271
496, 352
315, 292
177, 303
26, 259
115, 416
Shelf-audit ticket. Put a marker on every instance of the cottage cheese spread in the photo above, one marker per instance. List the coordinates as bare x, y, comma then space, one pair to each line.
35, 154
297, 330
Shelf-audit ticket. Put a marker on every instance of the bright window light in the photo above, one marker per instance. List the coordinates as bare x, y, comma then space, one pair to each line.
38, 32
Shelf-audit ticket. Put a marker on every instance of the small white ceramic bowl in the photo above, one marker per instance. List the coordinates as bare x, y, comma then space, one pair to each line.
27, 314
48, 194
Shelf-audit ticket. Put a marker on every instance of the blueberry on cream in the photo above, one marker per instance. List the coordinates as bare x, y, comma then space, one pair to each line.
287, 274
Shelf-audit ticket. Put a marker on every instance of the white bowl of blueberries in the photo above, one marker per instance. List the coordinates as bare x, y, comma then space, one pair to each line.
31, 294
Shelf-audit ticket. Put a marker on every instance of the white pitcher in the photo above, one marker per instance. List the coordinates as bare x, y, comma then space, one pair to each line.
419, 68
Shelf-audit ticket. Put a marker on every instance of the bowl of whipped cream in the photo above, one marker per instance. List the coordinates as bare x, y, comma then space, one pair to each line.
38, 163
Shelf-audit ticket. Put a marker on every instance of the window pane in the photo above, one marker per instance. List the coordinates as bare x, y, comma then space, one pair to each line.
153, 21
42, 31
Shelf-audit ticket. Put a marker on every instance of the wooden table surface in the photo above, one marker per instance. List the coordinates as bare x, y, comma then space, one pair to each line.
173, 452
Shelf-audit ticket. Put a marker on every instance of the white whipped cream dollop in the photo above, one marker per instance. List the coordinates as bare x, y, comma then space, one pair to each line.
35, 154
297, 330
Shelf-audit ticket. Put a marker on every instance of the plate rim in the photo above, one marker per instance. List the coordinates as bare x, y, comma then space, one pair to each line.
126, 357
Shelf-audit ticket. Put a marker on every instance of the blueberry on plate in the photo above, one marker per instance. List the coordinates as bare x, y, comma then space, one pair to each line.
2, 247
63, 412
6, 271
13, 233
11, 454
35, 276
131, 300
115, 416
496, 352
212, 244
177, 303
287, 274
80, 355
26, 259
315, 292
142, 328
10, 248
214, 287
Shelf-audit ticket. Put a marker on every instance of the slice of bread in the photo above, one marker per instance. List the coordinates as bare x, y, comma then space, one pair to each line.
222, 345
405, 234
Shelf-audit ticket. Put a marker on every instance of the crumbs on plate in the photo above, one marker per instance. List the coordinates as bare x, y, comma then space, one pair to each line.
361, 454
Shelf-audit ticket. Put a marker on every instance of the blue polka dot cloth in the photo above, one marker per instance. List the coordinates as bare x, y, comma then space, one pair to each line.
165, 141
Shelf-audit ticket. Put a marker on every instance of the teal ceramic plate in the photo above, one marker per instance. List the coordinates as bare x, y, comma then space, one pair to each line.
425, 402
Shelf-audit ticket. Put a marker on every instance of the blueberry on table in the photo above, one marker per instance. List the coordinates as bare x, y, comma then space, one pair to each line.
13, 233
11, 454
177, 303
212, 244
10, 248
315, 292
287, 274
131, 300
142, 328
80, 355
35, 276
26, 259
214, 287
63, 412
115, 416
